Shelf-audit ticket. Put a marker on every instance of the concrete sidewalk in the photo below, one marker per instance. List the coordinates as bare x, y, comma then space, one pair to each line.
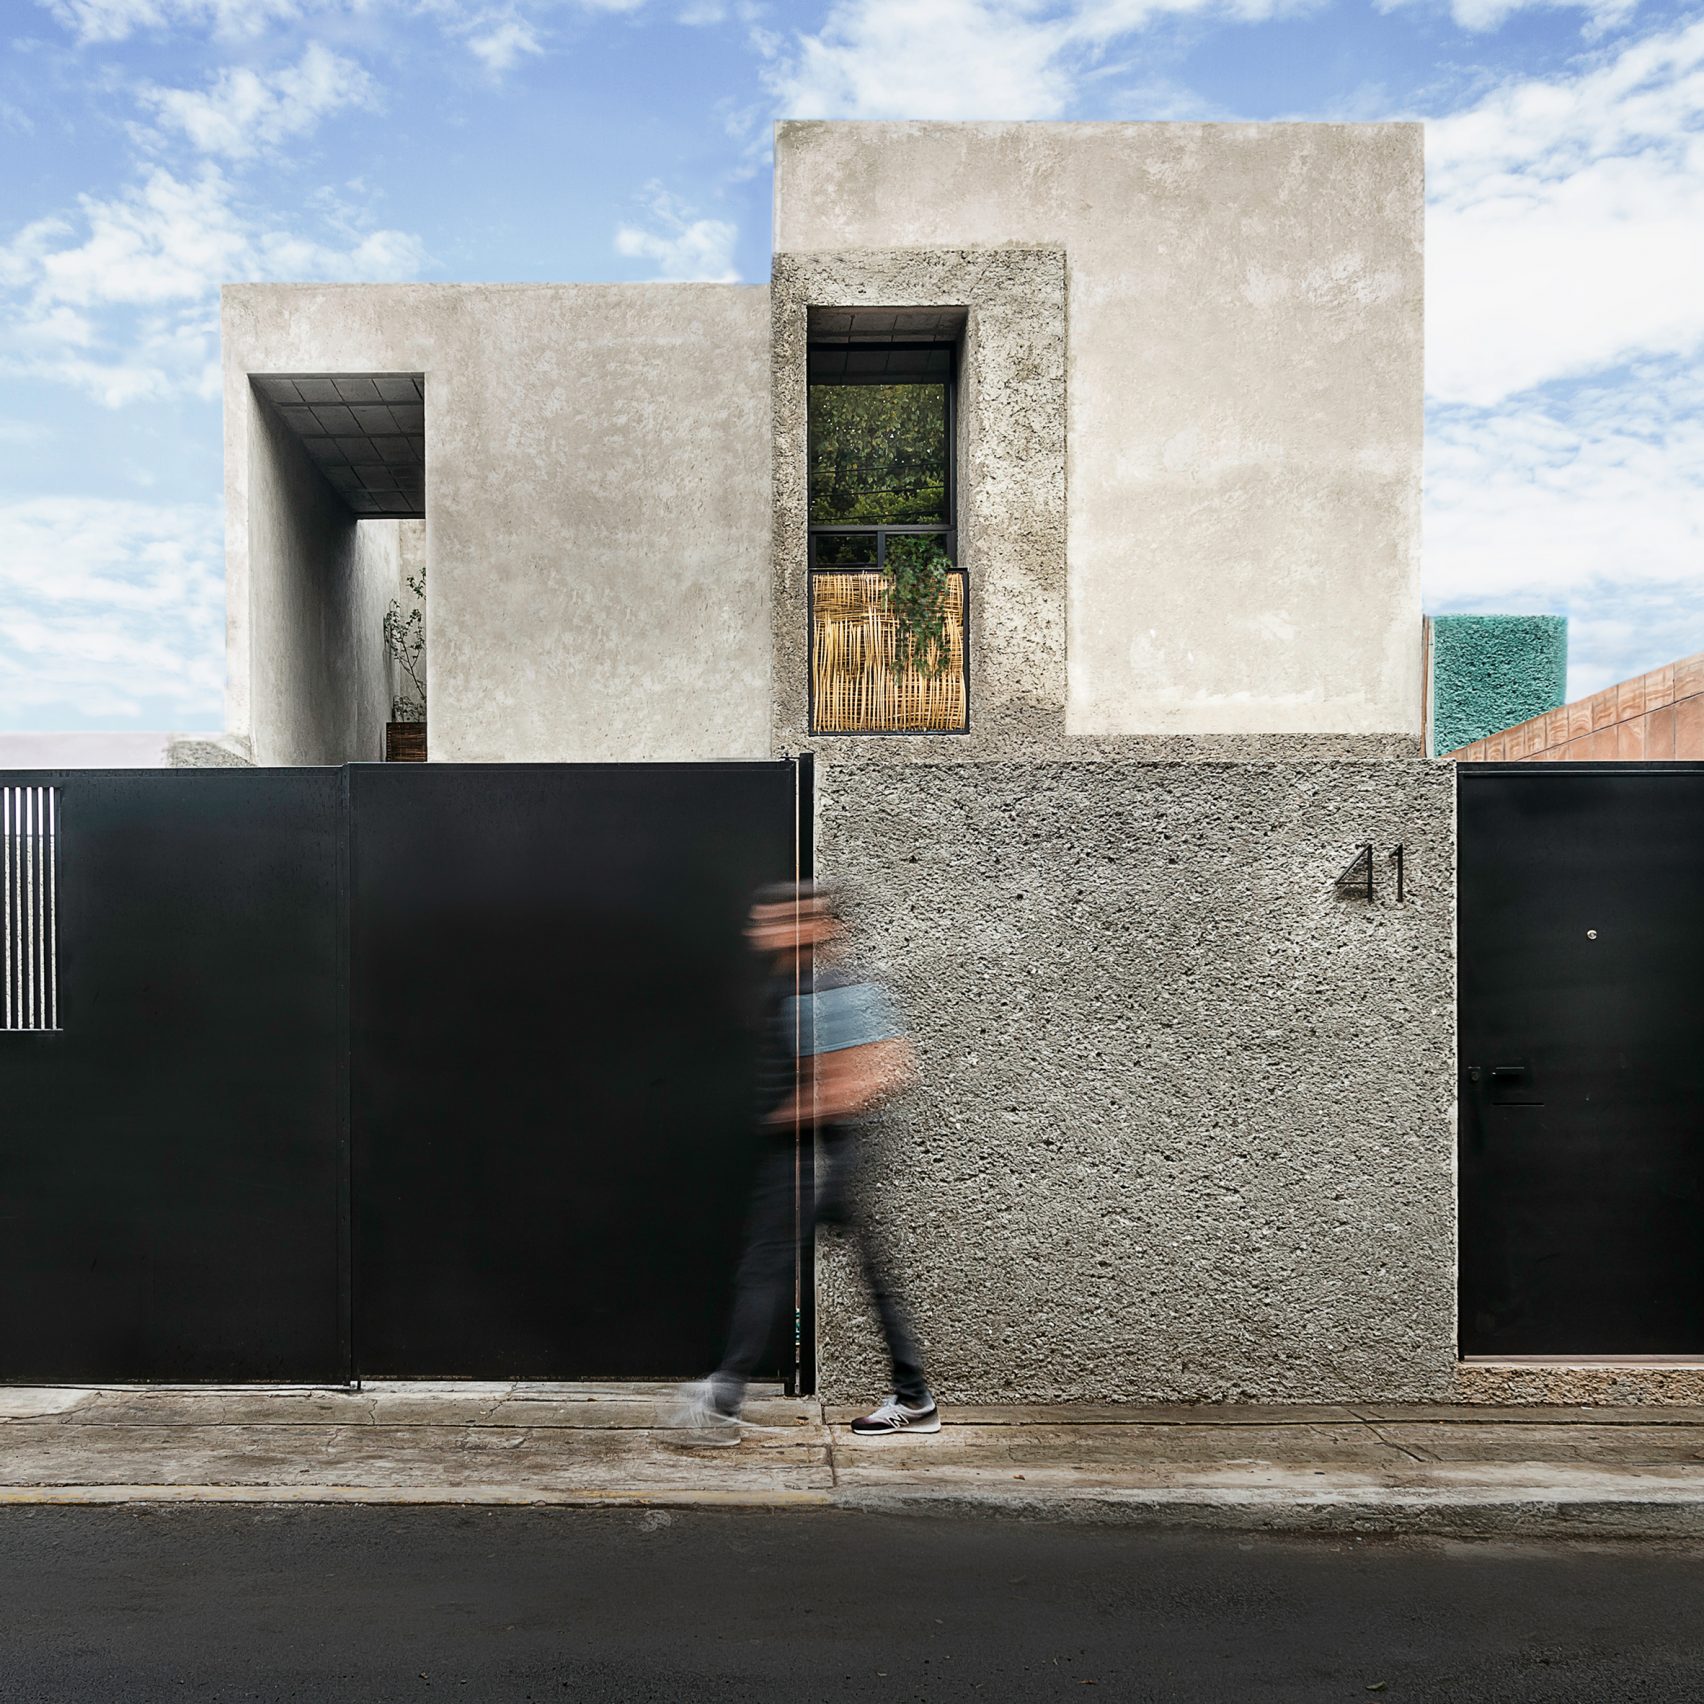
1464, 1470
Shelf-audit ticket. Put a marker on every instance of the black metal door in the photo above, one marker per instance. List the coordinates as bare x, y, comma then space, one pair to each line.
551, 1100
172, 1154
1582, 1054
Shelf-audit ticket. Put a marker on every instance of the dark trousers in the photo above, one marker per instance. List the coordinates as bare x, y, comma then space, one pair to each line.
763, 1286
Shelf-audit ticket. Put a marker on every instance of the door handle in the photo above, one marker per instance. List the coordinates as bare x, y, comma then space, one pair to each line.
1514, 1085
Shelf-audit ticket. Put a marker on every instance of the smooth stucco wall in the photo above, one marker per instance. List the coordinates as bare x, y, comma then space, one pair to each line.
411, 560
320, 685
1186, 1124
1244, 393
1491, 671
598, 508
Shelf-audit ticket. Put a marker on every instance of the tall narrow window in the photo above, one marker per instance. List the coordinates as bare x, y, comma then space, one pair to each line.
888, 599
29, 908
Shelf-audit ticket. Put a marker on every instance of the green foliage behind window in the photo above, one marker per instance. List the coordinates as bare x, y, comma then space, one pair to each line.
878, 455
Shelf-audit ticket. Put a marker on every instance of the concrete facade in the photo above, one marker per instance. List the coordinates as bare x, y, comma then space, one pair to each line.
1190, 426
1187, 1124
1244, 378
320, 582
597, 518
1186, 1129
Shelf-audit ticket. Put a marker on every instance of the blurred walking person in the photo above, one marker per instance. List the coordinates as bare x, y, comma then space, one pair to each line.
832, 1049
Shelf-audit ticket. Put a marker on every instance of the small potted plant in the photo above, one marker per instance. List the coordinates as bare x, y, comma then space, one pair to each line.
405, 644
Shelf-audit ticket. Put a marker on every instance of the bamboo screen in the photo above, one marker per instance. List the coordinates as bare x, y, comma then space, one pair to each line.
858, 685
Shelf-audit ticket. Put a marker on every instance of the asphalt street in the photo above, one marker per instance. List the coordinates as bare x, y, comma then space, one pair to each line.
371, 1604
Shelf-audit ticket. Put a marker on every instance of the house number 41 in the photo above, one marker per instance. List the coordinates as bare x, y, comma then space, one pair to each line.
1356, 882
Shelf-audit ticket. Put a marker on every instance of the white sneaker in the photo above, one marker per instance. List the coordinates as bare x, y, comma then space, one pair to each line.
700, 1418
896, 1416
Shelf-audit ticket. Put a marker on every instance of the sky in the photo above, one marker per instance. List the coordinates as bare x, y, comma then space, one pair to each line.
152, 149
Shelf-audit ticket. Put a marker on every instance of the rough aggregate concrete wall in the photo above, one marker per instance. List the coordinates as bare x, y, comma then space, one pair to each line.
1244, 377
1186, 1129
1491, 671
319, 680
598, 509
222, 753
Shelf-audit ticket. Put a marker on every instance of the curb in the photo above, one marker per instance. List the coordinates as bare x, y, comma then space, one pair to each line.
408, 1496
1503, 1513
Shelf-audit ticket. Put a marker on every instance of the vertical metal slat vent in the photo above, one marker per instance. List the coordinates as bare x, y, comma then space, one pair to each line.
29, 876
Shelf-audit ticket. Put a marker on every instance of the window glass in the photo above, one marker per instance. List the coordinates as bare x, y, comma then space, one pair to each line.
846, 550
878, 454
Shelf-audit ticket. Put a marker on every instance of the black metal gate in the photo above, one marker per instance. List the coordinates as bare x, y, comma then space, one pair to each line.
384, 1070
552, 1061
172, 1153
1582, 1055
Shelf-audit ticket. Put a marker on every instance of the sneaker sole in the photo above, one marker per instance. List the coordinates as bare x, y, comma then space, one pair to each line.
703, 1440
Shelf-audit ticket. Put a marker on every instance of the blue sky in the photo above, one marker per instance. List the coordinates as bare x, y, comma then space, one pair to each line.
150, 149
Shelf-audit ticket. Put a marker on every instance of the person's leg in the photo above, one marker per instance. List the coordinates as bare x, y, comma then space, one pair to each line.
763, 1285
839, 1204
909, 1384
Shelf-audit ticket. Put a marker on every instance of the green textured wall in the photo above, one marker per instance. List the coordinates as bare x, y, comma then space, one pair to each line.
1491, 671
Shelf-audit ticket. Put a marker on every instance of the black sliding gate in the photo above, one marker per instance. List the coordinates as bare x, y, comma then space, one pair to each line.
408, 1070
1582, 1095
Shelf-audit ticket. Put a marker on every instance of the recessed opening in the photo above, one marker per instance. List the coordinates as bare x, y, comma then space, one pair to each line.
889, 597
337, 565
365, 432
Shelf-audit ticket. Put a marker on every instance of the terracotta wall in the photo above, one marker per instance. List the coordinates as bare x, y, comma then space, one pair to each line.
1650, 718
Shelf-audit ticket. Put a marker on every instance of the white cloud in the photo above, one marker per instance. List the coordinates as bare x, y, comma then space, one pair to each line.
964, 59
243, 112
498, 37
162, 241
171, 239
684, 249
115, 20
1626, 631
1491, 14
1565, 327
1482, 15
1581, 499
501, 44
120, 301
1566, 230
109, 609
1568, 486
926, 59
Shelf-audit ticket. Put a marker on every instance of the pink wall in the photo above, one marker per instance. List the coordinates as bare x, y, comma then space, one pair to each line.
1650, 718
